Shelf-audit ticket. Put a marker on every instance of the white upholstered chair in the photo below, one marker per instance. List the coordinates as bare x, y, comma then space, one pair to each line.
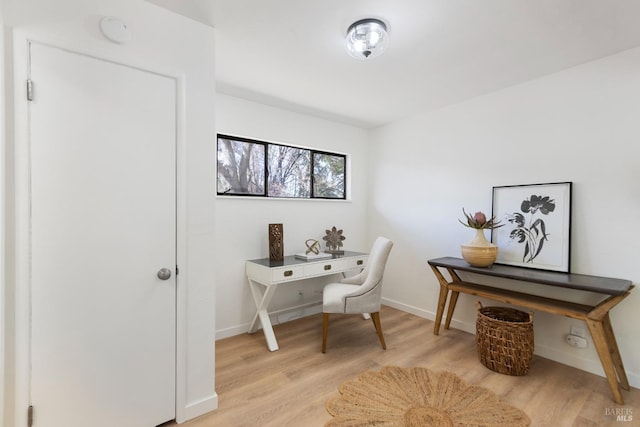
358, 294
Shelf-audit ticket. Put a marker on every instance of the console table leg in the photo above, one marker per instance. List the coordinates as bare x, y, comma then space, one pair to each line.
452, 306
442, 300
599, 335
615, 352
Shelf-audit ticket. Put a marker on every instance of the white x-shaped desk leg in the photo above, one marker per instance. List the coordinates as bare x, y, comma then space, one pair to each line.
262, 297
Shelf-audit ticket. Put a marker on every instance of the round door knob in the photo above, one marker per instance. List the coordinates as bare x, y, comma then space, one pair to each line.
164, 274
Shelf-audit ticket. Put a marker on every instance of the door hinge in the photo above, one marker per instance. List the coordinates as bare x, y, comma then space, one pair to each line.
30, 416
177, 271
29, 90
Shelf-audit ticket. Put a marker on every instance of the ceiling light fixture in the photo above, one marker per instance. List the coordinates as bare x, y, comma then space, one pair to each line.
367, 38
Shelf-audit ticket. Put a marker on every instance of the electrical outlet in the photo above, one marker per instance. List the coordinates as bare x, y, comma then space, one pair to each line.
578, 331
576, 341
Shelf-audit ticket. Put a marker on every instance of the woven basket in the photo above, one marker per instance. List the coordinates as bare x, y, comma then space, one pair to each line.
505, 339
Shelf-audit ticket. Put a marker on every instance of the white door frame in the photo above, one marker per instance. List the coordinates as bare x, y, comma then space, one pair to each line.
3, 305
21, 47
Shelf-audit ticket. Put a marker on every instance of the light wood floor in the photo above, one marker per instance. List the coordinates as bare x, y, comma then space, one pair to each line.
288, 388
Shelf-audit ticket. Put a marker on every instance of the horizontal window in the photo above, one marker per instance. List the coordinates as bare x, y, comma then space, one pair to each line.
248, 167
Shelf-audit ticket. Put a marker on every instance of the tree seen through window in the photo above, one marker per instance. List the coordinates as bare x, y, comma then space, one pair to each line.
254, 168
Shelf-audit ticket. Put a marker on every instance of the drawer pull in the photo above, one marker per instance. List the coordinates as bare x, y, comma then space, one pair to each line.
327, 267
359, 262
288, 273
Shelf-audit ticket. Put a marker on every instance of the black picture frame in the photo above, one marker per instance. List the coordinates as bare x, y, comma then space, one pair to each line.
536, 225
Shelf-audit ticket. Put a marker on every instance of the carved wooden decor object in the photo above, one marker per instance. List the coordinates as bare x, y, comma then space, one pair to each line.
276, 242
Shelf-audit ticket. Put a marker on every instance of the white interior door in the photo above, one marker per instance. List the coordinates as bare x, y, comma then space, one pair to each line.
103, 223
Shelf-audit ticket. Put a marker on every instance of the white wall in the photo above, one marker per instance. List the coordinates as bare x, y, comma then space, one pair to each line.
2, 219
241, 223
168, 44
579, 125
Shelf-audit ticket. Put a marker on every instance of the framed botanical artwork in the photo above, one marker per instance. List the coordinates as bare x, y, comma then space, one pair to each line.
536, 225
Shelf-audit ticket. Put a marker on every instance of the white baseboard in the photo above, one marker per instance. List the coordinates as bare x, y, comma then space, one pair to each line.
425, 314
195, 409
296, 312
232, 331
277, 317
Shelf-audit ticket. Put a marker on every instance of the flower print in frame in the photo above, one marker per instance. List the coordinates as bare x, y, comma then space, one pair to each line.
537, 225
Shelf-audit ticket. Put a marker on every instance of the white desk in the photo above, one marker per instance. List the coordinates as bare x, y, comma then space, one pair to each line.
265, 275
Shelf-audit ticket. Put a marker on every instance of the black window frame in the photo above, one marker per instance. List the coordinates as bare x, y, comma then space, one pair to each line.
265, 194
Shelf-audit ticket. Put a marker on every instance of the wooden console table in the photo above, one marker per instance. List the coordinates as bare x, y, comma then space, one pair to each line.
595, 316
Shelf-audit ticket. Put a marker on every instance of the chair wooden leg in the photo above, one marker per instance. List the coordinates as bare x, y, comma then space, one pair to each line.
325, 329
375, 317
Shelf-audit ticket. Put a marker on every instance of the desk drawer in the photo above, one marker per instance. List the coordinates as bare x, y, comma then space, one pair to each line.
334, 266
287, 273
321, 268
352, 263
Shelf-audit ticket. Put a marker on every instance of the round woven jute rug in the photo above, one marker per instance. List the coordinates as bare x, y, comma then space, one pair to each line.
412, 397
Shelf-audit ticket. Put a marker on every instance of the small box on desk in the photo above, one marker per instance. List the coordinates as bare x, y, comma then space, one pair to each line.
312, 256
